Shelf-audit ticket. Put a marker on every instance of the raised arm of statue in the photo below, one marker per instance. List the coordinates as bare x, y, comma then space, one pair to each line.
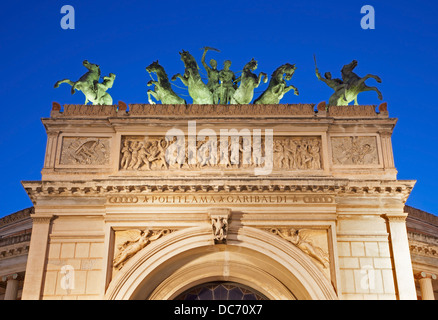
318, 75
203, 59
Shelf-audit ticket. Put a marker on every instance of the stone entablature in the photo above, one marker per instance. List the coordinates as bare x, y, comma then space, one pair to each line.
204, 191
115, 142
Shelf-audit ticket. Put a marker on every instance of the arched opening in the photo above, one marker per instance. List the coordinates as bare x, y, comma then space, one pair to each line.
251, 257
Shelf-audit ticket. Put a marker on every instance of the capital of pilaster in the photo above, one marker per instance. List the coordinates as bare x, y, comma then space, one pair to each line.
396, 217
425, 275
42, 219
13, 276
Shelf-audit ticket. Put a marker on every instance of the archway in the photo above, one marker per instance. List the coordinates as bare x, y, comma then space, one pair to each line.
187, 258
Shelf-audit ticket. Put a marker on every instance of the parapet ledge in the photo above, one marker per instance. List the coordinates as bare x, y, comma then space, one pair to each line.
217, 111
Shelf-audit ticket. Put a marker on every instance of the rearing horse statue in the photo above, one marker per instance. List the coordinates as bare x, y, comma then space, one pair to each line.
347, 89
248, 82
198, 90
277, 87
355, 84
163, 89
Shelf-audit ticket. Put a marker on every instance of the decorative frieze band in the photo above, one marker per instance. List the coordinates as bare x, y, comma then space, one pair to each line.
211, 199
140, 153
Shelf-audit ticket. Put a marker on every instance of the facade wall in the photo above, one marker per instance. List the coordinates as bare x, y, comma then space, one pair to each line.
74, 268
327, 221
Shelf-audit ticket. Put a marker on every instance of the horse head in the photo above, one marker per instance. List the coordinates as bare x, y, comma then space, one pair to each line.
348, 68
252, 65
91, 66
189, 62
289, 70
185, 56
153, 67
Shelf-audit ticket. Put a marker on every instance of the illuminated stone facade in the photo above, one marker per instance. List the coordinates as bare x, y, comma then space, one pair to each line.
153, 202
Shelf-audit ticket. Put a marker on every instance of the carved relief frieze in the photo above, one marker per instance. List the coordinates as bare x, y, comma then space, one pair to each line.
156, 153
355, 150
129, 242
85, 151
298, 153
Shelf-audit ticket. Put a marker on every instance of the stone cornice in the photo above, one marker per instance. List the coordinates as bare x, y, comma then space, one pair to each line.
321, 186
15, 249
215, 111
423, 249
419, 237
17, 216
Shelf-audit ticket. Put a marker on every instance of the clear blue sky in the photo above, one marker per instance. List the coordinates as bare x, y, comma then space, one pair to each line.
123, 37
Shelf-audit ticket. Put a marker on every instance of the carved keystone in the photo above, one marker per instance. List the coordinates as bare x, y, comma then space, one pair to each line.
219, 223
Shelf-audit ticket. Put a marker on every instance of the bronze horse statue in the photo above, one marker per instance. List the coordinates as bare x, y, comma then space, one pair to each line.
277, 87
198, 90
355, 84
248, 82
163, 89
347, 89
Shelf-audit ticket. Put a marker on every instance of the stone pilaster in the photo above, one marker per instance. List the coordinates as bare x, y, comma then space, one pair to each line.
37, 257
11, 292
402, 258
426, 287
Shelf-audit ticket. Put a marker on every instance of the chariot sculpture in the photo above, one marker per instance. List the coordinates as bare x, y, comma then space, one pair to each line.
223, 86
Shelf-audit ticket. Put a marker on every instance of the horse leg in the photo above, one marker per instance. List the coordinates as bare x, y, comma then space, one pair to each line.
377, 78
379, 94
183, 79
151, 93
64, 81
292, 88
265, 78
361, 81
107, 99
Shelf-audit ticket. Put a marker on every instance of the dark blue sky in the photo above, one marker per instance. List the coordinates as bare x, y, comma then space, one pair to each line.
123, 37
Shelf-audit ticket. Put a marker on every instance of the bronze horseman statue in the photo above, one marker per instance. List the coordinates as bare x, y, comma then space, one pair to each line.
347, 89
90, 86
